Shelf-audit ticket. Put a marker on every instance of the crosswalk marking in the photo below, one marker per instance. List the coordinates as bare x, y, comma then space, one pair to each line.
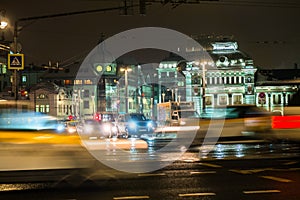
145, 175
197, 194
261, 191
131, 197
207, 172
249, 171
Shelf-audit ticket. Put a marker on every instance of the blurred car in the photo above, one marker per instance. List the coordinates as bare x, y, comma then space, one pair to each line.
70, 126
13, 119
97, 129
246, 120
135, 124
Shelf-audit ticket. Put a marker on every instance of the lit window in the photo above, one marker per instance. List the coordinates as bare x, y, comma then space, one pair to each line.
78, 82
42, 108
88, 82
3, 69
68, 82
37, 108
24, 79
47, 108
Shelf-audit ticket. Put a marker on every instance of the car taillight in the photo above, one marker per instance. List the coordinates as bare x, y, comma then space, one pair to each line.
285, 122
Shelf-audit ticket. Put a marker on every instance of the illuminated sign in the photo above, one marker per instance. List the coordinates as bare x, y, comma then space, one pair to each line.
16, 61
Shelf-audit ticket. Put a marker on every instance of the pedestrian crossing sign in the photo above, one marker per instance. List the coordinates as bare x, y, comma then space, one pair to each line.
16, 61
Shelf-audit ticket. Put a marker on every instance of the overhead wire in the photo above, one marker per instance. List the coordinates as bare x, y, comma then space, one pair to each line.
280, 4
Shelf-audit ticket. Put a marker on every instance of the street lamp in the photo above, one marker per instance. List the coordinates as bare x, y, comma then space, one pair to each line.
203, 64
269, 98
284, 97
3, 25
3, 20
204, 84
126, 70
118, 96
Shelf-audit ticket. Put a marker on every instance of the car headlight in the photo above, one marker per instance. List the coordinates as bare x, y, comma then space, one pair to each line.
132, 125
106, 127
60, 128
150, 125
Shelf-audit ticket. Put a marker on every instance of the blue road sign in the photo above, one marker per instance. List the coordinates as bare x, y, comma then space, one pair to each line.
16, 61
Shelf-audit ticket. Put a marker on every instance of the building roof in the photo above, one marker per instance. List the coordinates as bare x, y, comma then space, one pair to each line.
47, 86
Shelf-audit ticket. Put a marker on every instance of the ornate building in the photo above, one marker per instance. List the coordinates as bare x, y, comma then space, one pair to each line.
225, 79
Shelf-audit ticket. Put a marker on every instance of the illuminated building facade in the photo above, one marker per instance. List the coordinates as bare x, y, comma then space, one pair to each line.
227, 79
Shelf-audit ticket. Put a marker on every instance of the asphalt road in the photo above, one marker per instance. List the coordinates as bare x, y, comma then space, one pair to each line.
221, 179
240, 169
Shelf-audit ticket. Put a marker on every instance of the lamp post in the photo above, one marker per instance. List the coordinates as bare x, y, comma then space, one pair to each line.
203, 85
269, 98
126, 70
118, 96
284, 97
3, 25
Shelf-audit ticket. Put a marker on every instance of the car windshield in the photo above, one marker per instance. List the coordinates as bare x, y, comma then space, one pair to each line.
138, 117
107, 118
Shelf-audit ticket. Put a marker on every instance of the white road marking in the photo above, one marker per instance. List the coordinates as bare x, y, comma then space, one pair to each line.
207, 172
197, 194
261, 191
249, 171
145, 175
131, 197
210, 165
277, 179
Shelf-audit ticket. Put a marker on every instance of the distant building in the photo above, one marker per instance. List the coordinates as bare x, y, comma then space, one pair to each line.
227, 77
277, 88
49, 98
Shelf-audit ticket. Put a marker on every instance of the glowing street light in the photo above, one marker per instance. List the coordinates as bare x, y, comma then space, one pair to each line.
3, 20
3, 24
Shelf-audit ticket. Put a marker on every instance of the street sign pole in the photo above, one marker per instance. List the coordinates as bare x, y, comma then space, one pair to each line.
15, 79
15, 63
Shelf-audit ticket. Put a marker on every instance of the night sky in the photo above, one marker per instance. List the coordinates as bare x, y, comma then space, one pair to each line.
267, 30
